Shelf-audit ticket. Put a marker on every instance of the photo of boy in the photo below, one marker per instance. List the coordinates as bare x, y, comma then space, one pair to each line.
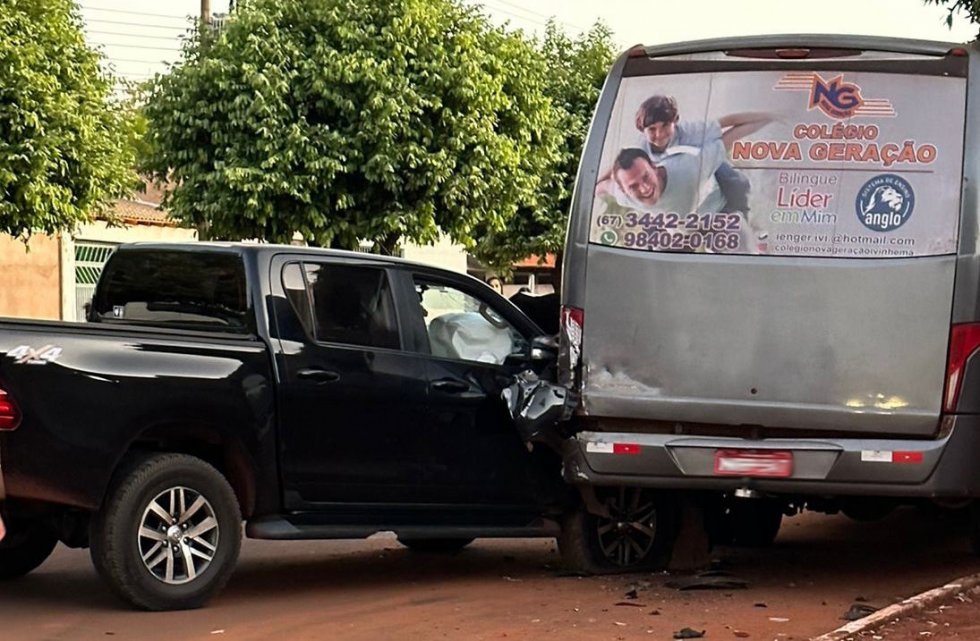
663, 133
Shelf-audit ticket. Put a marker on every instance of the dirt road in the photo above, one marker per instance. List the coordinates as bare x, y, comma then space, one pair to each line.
375, 590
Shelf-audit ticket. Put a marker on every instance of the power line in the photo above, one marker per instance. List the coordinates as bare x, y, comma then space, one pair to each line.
132, 35
141, 62
170, 16
497, 9
520, 8
139, 24
119, 44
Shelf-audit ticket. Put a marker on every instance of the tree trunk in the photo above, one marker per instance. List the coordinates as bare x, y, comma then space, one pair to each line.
388, 244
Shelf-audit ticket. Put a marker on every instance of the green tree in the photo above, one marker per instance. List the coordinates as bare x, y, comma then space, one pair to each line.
969, 7
578, 68
344, 120
65, 142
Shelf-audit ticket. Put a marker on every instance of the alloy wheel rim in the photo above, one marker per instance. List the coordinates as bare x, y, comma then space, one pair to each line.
178, 535
627, 536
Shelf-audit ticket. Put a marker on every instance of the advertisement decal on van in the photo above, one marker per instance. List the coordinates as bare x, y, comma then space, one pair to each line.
850, 165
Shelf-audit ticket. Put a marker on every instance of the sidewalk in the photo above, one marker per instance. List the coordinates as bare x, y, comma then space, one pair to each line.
944, 614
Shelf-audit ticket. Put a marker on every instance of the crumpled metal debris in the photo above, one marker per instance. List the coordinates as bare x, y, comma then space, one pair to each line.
536, 406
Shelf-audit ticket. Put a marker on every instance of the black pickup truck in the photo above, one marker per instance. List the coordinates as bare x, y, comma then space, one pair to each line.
310, 393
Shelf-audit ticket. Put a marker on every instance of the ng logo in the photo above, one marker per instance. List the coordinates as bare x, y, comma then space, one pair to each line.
836, 97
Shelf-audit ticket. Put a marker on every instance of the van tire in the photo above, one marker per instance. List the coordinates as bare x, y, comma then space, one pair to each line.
750, 523
638, 540
25, 547
975, 527
198, 548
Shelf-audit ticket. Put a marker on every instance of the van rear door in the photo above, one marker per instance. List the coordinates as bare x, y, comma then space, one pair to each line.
825, 303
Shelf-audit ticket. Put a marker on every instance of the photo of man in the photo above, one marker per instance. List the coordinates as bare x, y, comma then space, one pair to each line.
681, 167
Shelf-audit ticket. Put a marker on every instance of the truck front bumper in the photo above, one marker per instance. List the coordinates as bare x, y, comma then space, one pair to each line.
948, 466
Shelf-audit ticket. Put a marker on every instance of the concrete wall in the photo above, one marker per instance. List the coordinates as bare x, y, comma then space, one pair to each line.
443, 254
30, 281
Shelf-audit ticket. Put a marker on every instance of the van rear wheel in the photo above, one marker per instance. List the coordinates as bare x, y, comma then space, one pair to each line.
24, 548
637, 534
745, 522
975, 527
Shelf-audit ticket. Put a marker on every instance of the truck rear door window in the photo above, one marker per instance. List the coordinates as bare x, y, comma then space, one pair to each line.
192, 290
352, 305
828, 163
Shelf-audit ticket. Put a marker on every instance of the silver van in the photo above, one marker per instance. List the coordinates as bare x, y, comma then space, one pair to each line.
771, 287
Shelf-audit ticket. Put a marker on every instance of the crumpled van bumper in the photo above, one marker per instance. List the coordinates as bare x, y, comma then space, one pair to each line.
948, 466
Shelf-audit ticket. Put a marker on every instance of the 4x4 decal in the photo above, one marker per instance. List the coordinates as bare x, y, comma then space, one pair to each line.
27, 355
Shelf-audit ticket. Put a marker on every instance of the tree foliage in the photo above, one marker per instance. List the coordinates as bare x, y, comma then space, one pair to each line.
969, 7
65, 143
346, 120
577, 70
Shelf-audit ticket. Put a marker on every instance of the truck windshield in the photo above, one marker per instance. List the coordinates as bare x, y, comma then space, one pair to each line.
174, 289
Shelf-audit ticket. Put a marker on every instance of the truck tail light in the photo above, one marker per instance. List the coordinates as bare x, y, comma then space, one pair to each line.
9, 414
964, 341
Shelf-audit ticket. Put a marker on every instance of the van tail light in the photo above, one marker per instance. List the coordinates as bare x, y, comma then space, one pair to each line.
964, 341
572, 328
9, 414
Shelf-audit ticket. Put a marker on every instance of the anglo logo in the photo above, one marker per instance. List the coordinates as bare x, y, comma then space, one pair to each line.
836, 97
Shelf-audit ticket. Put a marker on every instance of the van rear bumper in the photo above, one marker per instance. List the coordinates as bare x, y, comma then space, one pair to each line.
948, 466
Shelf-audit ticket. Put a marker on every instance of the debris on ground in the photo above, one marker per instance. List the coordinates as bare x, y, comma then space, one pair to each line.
859, 611
629, 604
710, 580
688, 633
760, 604
632, 594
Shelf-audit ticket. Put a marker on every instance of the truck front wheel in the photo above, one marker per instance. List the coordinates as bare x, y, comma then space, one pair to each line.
169, 533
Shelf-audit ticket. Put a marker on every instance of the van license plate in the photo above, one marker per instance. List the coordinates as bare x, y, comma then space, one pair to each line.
766, 463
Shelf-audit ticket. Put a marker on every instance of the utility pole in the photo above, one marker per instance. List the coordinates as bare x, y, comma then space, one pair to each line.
203, 228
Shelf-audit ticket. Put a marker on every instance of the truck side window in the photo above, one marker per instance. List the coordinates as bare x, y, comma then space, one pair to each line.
174, 288
299, 299
352, 305
463, 327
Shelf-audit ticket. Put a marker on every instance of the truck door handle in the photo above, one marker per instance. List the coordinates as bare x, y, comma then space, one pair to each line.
450, 386
318, 375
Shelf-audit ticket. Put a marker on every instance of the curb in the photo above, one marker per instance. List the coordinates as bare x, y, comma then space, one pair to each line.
902, 608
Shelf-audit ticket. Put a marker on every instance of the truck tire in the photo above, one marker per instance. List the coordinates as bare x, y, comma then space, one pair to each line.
638, 534
169, 533
25, 548
435, 546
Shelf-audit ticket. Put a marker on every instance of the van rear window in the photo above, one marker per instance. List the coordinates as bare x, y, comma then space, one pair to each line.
849, 164
192, 290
